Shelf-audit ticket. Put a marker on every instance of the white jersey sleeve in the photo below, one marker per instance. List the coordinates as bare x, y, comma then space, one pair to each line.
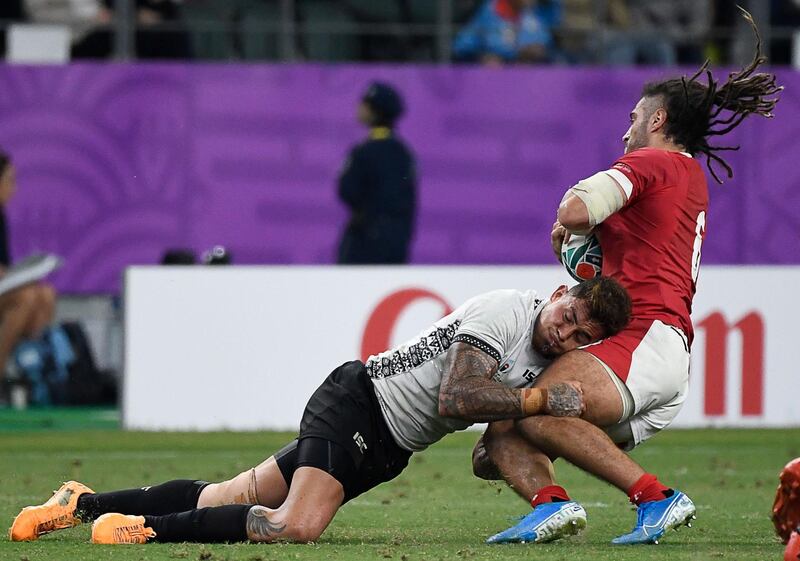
493, 321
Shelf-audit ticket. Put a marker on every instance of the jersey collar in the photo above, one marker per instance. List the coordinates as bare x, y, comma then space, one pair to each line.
380, 133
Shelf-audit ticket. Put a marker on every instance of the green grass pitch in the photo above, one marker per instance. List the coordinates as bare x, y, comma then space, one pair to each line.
434, 510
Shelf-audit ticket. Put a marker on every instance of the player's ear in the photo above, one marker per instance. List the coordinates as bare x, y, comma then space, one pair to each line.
559, 292
658, 119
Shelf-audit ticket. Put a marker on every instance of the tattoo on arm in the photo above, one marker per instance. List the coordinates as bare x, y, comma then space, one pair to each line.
564, 400
468, 391
260, 528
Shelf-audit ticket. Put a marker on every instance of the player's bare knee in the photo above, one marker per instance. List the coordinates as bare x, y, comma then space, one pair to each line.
267, 525
264, 525
304, 533
47, 298
482, 465
25, 297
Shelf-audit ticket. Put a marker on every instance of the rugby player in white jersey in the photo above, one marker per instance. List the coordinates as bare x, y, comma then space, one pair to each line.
364, 422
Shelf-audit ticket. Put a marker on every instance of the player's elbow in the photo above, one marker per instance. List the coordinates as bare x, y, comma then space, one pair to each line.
445, 409
447, 403
572, 214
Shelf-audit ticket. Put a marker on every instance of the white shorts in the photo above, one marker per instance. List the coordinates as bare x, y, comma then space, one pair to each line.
649, 364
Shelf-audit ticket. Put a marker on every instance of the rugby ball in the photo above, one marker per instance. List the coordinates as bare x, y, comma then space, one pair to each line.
582, 257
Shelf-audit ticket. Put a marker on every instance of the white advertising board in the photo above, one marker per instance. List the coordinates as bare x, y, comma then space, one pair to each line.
242, 348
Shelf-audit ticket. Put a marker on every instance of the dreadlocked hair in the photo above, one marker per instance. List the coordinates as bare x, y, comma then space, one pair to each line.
696, 111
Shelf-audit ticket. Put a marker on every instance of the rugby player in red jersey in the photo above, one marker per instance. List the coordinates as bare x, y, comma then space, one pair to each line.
649, 213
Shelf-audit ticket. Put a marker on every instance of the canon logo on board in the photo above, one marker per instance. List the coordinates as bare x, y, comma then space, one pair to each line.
381, 322
383, 318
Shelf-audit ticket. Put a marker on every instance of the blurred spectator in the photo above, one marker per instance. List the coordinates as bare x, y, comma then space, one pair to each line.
179, 256
232, 29
577, 30
786, 14
26, 311
79, 15
378, 184
735, 38
505, 31
381, 46
157, 35
11, 11
653, 31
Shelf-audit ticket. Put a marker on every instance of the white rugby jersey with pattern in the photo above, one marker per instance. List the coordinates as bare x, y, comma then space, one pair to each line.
407, 377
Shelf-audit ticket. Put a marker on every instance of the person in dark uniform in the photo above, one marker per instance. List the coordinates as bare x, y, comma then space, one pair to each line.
378, 184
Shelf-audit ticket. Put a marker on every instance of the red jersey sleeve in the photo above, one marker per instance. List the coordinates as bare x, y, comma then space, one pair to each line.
639, 169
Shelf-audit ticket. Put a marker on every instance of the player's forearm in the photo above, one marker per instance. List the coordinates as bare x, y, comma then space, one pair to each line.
482, 400
468, 391
590, 202
573, 214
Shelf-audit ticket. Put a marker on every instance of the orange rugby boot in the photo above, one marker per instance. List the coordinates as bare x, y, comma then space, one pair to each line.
113, 528
56, 514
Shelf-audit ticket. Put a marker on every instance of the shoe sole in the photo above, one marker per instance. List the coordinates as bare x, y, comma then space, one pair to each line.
683, 519
560, 525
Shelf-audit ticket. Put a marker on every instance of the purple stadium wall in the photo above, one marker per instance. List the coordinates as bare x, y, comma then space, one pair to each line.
116, 163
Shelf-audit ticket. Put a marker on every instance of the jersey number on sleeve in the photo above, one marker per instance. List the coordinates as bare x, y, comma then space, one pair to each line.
698, 243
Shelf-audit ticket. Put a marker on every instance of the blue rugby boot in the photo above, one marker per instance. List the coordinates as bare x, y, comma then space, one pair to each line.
654, 518
545, 523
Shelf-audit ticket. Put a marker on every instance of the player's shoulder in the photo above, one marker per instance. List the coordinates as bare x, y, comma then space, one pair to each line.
511, 294
507, 311
649, 155
359, 151
654, 161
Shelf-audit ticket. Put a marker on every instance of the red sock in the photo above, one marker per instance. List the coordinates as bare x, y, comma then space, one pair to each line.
549, 494
647, 489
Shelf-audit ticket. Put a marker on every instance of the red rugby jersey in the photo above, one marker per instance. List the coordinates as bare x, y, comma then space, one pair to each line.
652, 245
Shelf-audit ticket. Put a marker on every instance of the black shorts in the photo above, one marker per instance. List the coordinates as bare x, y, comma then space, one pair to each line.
345, 411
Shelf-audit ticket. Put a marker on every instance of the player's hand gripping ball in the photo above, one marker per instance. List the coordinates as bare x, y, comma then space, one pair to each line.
582, 257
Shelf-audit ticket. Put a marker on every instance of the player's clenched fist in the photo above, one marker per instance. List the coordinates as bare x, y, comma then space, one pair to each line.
565, 400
